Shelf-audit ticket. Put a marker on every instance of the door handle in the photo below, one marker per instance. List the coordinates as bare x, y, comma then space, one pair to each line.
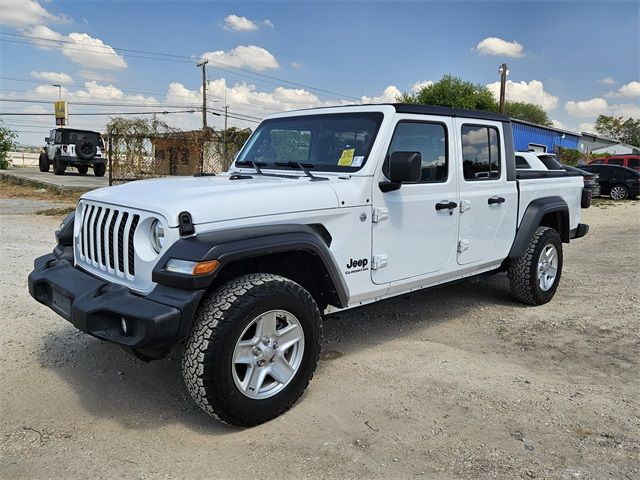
446, 205
493, 200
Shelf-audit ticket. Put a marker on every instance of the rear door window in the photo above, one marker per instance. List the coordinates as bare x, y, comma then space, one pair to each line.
480, 153
634, 163
616, 161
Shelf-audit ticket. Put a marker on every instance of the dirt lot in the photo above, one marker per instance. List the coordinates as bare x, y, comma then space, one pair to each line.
457, 382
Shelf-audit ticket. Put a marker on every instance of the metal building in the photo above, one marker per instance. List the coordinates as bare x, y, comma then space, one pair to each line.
529, 136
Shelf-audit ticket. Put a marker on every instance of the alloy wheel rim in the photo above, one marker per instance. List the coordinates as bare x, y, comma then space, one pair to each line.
547, 267
268, 354
617, 193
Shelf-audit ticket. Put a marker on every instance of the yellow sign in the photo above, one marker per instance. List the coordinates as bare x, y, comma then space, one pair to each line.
62, 114
347, 157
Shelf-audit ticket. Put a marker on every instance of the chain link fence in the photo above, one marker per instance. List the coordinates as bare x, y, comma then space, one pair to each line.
139, 156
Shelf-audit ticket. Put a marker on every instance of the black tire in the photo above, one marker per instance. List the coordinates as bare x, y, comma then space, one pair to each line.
523, 271
618, 192
83, 169
43, 162
219, 323
58, 165
99, 169
86, 150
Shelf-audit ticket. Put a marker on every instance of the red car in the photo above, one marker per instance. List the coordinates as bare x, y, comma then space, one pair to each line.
630, 161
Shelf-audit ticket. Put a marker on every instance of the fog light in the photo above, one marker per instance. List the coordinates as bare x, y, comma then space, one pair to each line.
124, 326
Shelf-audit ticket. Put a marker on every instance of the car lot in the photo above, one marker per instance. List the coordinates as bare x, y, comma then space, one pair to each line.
456, 382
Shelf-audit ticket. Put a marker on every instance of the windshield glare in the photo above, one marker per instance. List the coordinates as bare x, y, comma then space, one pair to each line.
333, 142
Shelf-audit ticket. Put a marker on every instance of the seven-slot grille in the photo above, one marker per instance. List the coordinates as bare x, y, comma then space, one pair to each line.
106, 238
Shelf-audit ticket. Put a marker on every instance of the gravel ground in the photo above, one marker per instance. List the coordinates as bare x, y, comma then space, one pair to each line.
456, 382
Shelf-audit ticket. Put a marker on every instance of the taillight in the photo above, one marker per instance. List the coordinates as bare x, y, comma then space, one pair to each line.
64, 148
588, 178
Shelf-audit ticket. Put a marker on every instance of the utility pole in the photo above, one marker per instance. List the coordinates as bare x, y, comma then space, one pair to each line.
503, 70
224, 134
204, 93
59, 90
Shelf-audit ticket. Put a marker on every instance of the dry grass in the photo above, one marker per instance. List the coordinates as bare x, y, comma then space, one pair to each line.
9, 190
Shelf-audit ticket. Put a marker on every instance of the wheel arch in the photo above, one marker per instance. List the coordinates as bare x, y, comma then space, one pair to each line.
550, 212
298, 252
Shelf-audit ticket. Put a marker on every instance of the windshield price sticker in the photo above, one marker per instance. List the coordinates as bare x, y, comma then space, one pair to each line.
347, 157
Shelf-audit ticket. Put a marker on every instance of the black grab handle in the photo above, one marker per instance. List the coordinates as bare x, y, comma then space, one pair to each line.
446, 205
493, 200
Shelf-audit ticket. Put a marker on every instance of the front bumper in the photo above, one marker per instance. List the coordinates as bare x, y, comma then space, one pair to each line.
98, 307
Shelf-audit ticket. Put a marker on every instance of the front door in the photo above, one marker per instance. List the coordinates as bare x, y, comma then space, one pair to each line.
414, 230
488, 200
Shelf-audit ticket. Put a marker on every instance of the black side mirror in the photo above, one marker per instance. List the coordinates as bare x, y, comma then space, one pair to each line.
46, 139
401, 167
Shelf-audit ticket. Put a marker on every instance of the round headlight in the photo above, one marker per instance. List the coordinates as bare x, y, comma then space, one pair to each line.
157, 235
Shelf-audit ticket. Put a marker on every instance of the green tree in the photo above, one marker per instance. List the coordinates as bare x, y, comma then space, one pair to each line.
625, 130
452, 91
529, 112
7, 143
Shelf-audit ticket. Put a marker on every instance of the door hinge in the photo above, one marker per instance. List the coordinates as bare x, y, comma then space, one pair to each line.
464, 205
379, 214
463, 245
378, 261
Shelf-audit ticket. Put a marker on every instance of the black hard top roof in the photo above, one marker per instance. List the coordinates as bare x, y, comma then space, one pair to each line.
68, 129
447, 111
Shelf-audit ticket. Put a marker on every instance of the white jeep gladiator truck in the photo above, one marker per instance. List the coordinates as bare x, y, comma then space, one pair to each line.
323, 210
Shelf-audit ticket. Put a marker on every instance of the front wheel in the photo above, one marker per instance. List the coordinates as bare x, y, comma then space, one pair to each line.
534, 276
253, 349
619, 192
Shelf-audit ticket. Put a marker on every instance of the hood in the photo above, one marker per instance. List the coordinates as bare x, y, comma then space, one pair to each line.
214, 199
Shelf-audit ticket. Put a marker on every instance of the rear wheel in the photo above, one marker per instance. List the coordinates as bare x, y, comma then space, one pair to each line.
619, 192
99, 169
534, 276
82, 169
253, 349
58, 165
43, 162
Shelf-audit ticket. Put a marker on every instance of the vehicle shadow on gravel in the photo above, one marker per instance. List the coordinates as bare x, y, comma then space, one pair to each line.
402, 316
110, 383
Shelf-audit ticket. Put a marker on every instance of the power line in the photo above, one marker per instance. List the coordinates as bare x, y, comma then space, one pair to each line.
173, 57
165, 112
103, 104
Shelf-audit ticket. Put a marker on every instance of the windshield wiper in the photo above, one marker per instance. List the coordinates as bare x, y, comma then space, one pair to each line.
255, 165
302, 166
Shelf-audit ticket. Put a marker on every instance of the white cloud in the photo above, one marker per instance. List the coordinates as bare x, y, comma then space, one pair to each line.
532, 92
239, 24
416, 87
389, 95
587, 127
52, 77
497, 46
22, 13
590, 109
249, 56
586, 108
608, 81
297, 65
97, 76
80, 48
559, 124
630, 90
268, 23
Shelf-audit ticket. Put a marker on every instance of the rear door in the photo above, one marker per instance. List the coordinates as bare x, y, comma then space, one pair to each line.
412, 236
488, 202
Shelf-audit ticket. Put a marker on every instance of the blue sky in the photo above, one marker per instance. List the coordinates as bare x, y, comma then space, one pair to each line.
576, 59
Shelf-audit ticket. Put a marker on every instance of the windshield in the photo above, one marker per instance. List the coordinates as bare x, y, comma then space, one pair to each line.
333, 142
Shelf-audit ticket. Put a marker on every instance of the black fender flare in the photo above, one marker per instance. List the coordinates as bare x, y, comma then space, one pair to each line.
532, 219
231, 245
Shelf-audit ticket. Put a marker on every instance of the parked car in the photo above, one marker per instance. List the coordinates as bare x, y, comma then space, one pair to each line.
629, 161
617, 182
70, 147
591, 179
529, 161
323, 210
